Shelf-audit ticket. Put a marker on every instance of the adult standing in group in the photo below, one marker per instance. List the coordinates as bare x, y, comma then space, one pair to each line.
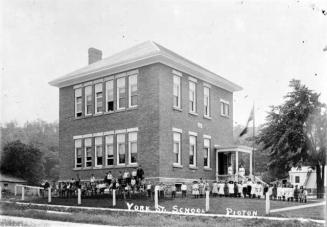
139, 173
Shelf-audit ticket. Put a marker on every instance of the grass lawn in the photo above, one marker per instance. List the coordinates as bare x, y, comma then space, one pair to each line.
138, 219
217, 205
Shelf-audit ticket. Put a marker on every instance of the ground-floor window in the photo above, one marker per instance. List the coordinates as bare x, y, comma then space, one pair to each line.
110, 150
78, 153
206, 153
177, 148
88, 152
98, 151
192, 160
132, 145
121, 148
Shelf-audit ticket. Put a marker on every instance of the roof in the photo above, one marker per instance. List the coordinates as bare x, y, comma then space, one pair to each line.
7, 178
302, 169
140, 55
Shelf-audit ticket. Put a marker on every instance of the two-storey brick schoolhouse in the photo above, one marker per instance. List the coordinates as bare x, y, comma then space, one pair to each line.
145, 106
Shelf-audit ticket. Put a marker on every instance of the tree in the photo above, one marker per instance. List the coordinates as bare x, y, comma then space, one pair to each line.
316, 136
41, 135
23, 161
286, 135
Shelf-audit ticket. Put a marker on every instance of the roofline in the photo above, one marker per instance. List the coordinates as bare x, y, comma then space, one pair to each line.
183, 65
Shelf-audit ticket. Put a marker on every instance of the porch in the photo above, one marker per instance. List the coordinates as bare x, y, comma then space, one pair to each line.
227, 162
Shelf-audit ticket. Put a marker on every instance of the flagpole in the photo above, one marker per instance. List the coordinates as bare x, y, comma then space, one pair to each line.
253, 140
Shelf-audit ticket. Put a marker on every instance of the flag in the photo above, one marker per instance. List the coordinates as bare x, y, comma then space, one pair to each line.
251, 118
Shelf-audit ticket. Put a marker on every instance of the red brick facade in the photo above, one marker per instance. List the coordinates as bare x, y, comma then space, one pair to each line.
154, 118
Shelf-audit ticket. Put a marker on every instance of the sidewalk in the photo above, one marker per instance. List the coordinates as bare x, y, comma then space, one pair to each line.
18, 221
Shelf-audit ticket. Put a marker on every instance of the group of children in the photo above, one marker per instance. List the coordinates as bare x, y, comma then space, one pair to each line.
229, 189
289, 193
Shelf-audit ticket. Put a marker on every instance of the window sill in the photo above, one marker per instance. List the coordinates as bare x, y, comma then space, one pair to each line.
132, 108
132, 165
177, 109
193, 113
225, 116
109, 112
207, 117
120, 110
176, 165
107, 167
193, 167
97, 114
207, 168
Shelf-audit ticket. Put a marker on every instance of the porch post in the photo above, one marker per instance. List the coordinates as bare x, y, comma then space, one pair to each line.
216, 165
251, 163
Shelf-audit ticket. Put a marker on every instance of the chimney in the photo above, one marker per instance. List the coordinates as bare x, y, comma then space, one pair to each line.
94, 55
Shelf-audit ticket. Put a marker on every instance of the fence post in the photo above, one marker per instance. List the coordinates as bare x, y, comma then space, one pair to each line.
0, 192
156, 205
49, 194
267, 202
79, 200
207, 201
113, 197
23, 193
38, 192
15, 189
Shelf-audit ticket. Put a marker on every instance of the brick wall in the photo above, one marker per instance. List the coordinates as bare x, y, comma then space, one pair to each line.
145, 117
219, 128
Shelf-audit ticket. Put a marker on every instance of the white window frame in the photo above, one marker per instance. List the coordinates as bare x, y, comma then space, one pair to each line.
130, 90
78, 146
85, 149
192, 95
195, 149
97, 142
177, 141
223, 104
204, 149
98, 88
86, 95
206, 98
78, 94
118, 95
122, 135
109, 142
130, 141
108, 83
177, 89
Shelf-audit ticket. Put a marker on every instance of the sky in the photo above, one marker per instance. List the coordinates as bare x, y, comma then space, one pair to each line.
259, 45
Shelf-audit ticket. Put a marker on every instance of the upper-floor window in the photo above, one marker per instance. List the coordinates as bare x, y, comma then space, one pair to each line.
206, 153
192, 160
206, 101
177, 148
88, 152
120, 149
98, 98
177, 91
78, 102
132, 90
110, 96
224, 108
132, 147
88, 100
78, 153
121, 96
192, 96
98, 151
110, 150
